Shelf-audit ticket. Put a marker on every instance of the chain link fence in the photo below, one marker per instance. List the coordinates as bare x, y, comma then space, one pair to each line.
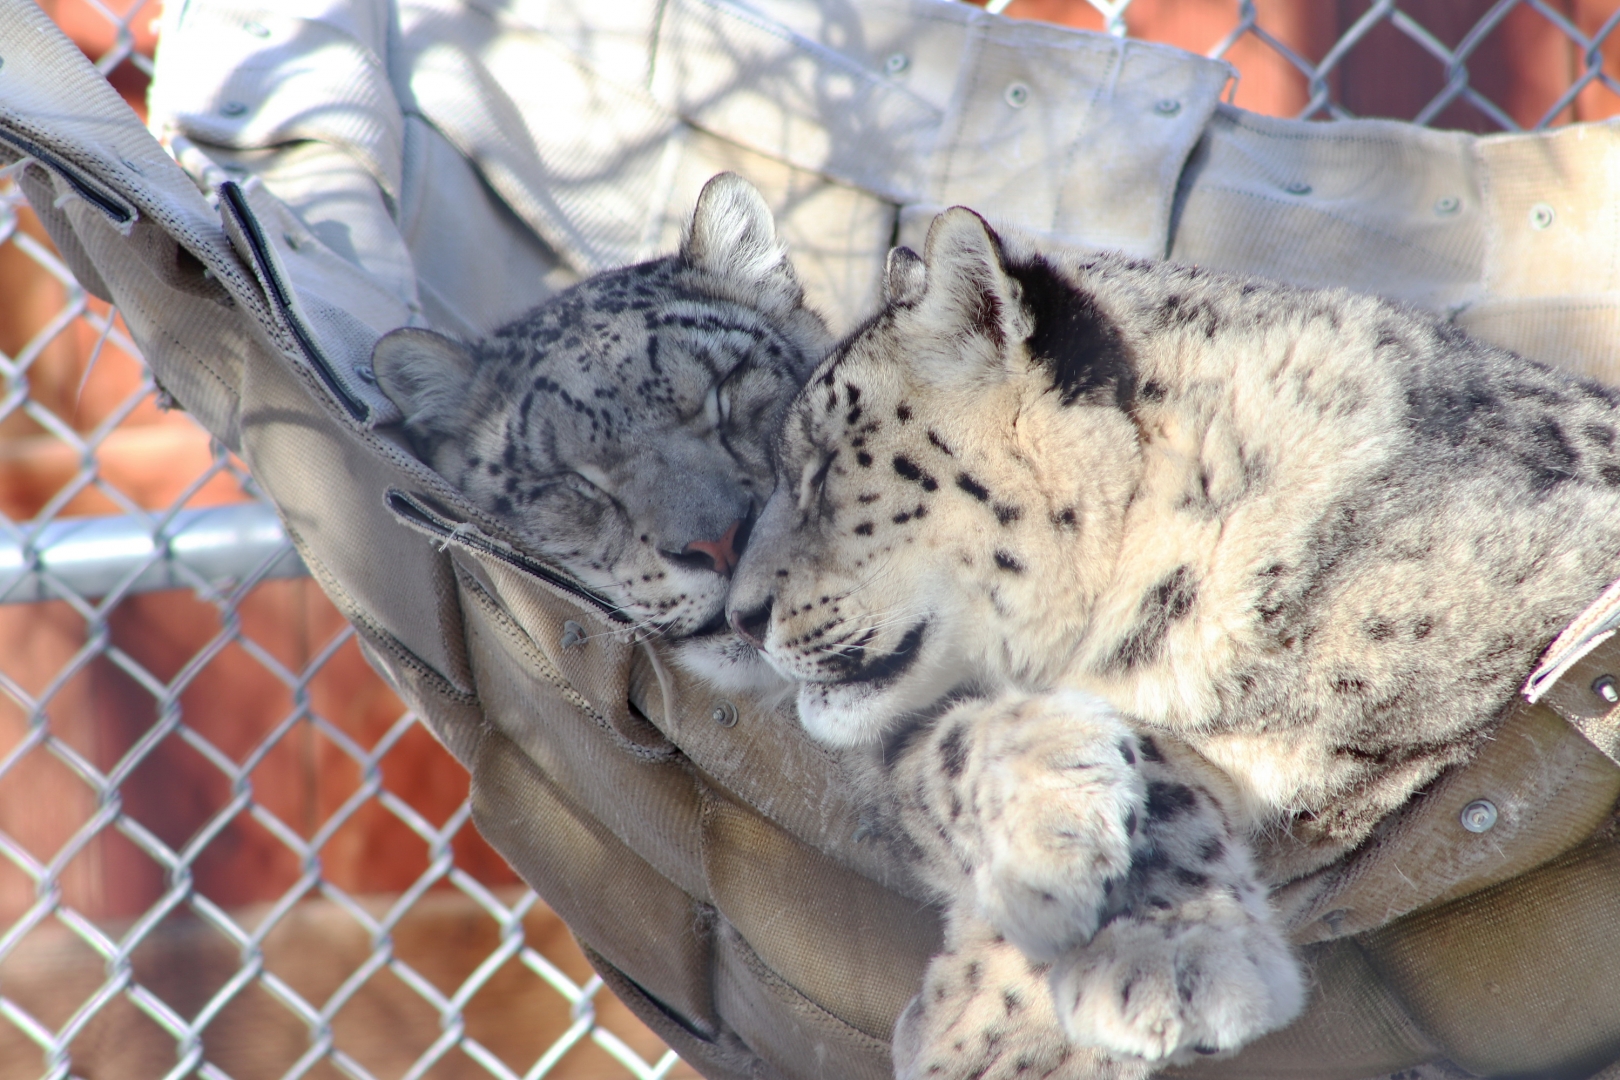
225, 848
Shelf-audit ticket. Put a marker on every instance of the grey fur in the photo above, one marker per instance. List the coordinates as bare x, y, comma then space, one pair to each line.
623, 426
1314, 537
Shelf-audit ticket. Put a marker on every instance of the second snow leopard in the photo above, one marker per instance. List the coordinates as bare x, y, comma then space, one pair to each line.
622, 427
1121, 571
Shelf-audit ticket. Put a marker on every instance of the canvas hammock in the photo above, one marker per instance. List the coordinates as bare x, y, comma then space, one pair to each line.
349, 166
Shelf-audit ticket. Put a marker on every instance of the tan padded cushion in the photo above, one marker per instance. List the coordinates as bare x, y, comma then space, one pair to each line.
1520, 979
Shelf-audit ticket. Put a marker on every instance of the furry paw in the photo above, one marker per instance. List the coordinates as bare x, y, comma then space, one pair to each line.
1204, 978
1058, 799
985, 1013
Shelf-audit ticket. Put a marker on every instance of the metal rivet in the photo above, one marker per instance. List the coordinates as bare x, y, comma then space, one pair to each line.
258, 30
1541, 216
233, 108
366, 374
1017, 95
1167, 106
1604, 687
1297, 187
896, 63
724, 714
573, 633
1478, 816
1447, 204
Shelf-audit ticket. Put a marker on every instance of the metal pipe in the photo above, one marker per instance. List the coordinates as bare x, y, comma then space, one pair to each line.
94, 556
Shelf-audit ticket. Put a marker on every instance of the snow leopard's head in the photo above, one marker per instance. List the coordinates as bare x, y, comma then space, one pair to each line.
951, 480
623, 427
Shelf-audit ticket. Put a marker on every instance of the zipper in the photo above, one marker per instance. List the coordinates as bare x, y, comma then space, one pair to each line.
231, 197
103, 201
416, 514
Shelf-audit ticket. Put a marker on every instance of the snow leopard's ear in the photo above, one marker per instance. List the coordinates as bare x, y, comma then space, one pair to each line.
904, 277
733, 236
427, 375
967, 293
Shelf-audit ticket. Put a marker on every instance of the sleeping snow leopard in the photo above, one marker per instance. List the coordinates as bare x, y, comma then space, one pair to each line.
1140, 589
622, 426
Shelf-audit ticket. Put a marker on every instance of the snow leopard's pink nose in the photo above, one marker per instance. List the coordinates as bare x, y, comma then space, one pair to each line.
722, 552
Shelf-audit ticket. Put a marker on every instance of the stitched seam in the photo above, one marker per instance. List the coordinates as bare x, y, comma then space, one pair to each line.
382, 638
526, 644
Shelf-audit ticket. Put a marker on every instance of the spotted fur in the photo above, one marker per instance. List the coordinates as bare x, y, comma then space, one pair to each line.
623, 426
1304, 545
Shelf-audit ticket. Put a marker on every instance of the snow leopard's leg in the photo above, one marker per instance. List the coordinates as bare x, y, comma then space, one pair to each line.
1074, 838
1189, 959
1026, 806
985, 1011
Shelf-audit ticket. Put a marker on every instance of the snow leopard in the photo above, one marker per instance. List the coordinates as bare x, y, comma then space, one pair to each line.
1136, 590
622, 427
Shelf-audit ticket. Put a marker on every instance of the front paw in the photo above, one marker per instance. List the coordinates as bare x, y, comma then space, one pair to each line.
1058, 798
985, 1014
1206, 978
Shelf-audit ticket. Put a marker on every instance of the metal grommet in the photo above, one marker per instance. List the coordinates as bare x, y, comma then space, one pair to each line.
724, 714
1297, 187
1167, 106
258, 30
1604, 687
895, 63
1478, 816
1541, 216
573, 633
1447, 204
1016, 95
233, 108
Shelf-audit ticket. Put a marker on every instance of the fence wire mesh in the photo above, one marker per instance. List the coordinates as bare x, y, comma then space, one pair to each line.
225, 848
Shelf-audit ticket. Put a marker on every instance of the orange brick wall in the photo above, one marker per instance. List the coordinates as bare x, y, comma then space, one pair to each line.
1524, 64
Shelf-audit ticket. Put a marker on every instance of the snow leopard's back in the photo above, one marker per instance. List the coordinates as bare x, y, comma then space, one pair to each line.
1404, 516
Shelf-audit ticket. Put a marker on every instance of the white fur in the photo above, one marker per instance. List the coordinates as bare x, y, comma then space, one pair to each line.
1053, 794
1266, 526
1210, 980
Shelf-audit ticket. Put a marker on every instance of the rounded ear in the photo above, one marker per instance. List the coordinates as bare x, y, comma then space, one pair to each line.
733, 236
966, 288
427, 375
904, 277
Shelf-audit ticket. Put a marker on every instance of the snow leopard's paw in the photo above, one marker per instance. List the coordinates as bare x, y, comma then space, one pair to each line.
1058, 797
985, 1013
1205, 977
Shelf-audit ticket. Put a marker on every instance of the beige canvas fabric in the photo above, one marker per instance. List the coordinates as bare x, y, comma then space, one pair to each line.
347, 166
